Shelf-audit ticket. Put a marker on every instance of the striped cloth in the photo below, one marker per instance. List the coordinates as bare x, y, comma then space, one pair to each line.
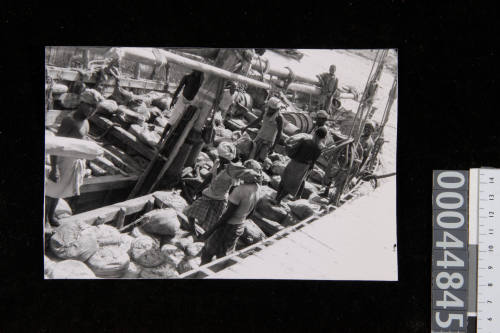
206, 211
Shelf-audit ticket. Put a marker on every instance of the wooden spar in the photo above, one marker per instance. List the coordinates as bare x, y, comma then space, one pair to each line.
67, 74
146, 56
104, 183
259, 63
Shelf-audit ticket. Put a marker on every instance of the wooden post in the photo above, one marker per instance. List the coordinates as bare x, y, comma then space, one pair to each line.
86, 56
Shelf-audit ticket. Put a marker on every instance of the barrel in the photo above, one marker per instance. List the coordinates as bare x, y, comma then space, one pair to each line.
302, 121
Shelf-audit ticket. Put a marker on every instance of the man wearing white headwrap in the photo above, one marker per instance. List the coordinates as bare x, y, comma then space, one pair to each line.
208, 208
222, 237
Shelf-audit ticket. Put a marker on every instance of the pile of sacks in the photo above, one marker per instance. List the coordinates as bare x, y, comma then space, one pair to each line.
159, 246
145, 115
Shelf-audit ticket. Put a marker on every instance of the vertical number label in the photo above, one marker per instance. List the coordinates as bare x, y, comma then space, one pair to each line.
450, 257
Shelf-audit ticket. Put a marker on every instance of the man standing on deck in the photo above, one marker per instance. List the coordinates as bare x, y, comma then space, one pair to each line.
328, 83
222, 238
67, 173
270, 131
190, 84
303, 157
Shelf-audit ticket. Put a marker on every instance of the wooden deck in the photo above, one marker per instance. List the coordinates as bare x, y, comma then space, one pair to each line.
355, 242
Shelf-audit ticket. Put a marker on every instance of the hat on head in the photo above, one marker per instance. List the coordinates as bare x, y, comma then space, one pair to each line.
226, 150
320, 132
274, 103
253, 164
91, 97
322, 114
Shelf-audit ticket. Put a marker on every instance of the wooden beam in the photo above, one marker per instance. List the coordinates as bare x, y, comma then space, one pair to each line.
109, 213
104, 183
67, 74
123, 136
146, 56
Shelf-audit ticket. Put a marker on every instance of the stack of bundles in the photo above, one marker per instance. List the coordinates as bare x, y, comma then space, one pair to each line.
109, 262
303, 209
127, 116
107, 235
268, 209
107, 107
252, 233
74, 240
151, 138
162, 222
316, 175
146, 252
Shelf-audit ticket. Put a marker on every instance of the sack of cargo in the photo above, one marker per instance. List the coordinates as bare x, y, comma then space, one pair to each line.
188, 264
162, 103
301, 208
91, 96
107, 235
126, 242
309, 189
58, 88
277, 157
317, 175
62, 209
138, 232
164, 271
143, 111
244, 145
194, 249
107, 107
173, 199
252, 233
74, 240
146, 251
71, 269
71, 147
290, 220
155, 112
275, 182
266, 191
161, 222
109, 262
172, 254
161, 121
148, 137
69, 100
271, 211
122, 96
128, 116
278, 167
133, 271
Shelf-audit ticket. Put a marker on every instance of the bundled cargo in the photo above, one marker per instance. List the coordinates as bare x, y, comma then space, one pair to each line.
128, 116
69, 100
161, 222
133, 271
172, 254
252, 233
194, 249
151, 138
146, 251
174, 200
301, 208
278, 167
109, 262
107, 235
126, 242
107, 107
59, 88
268, 209
188, 263
71, 269
74, 240
164, 271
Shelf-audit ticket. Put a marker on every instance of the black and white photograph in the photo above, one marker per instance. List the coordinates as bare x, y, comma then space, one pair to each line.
220, 163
